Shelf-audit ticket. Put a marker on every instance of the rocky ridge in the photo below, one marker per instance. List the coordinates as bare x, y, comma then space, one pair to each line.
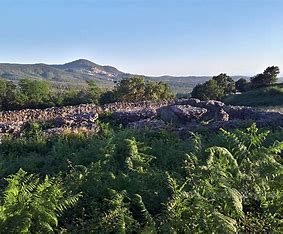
178, 115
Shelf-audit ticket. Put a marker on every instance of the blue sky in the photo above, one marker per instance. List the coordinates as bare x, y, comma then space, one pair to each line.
151, 37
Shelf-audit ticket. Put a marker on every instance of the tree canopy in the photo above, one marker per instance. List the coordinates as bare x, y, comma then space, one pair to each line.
29, 93
215, 88
269, 76
138, 89
241, 85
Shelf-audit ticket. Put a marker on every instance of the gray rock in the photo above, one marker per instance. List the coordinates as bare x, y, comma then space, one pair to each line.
125, 117
181, 113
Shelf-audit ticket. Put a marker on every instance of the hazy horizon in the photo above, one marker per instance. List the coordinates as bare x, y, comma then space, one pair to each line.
177, 38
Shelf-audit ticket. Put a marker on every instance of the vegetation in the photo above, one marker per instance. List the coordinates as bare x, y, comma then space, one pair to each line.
126, 181
269, 76
266, 96
76, 72
215, 88
241, 85
137, 89
41, 94
262, 89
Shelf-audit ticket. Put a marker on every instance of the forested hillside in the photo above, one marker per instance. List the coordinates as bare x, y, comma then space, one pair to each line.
81, 70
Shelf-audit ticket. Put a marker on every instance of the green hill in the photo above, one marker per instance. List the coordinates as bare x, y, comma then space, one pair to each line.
76, 72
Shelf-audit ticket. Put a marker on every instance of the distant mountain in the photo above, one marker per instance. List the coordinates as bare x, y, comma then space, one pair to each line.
78, 71
74, 72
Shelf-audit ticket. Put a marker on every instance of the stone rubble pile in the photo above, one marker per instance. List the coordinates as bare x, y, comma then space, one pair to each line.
193, 114
188, 114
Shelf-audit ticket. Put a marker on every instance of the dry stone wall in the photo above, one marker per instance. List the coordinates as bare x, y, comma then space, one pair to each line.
190, 114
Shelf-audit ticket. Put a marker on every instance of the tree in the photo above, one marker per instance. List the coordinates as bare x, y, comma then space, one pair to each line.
269, 76
93, 91
208, 90
108, 96
132, 89
226, 82
3, 87
240, 85
36, 93
138, 89
215, 88
10, 96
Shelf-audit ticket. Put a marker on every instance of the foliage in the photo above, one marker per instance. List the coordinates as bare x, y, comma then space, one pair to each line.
35, 93
240, 85
41, 94
148, 181
269, 76
208, 90
31, 206
266, 96
138, 89
225, 82
215, 88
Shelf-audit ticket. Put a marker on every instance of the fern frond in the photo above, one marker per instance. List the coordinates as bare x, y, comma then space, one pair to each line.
225, 223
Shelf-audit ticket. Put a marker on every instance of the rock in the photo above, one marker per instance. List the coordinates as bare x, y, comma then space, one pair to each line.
167, 115
181, 113
125, 117
221, 115
184, 113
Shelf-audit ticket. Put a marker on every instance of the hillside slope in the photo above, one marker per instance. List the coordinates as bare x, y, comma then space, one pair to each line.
76, 72
267, 96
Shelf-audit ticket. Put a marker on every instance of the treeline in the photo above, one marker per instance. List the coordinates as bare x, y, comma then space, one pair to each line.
28, 93
223, 85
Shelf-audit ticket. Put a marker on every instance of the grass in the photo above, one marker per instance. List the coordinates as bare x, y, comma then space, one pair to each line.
262, 97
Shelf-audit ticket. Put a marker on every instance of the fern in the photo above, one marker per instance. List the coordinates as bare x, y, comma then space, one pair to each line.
29, 205
145, 218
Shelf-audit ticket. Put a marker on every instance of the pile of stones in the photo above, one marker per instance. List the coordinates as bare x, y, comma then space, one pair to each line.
188, 114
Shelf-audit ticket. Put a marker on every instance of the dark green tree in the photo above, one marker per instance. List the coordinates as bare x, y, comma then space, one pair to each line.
36, 93
132, 89
108, 96
241, 85
269, 76
138, 89
208, 90
10, 96
225, 82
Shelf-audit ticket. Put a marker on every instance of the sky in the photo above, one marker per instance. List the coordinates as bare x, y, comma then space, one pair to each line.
150, 37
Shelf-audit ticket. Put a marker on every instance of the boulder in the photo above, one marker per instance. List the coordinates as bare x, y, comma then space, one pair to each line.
125, 117
181, 113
